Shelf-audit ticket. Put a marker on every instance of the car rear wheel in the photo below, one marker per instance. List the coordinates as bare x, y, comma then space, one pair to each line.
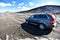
41, 26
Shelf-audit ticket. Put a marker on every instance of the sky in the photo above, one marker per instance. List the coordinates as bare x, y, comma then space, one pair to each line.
21, 5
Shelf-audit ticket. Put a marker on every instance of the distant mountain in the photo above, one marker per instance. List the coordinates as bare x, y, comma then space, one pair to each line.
46, 8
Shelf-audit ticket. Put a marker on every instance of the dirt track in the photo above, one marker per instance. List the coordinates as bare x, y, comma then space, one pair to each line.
11, 24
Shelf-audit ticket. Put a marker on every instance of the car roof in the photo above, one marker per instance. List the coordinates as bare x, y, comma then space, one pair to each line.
41, 14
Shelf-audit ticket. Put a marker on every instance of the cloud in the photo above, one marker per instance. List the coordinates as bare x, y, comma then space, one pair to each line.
31, 3
49, 3
25, 8
13, 2
2, 4
22, 8
20, 4
46, 3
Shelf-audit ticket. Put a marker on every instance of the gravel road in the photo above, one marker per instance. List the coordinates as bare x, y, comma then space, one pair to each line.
16, 28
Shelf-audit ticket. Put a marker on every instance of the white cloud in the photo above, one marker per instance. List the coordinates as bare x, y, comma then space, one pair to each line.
46, 3
31, 3
13, 2
25, 8
19, 7
5, 4
49, 3
22, 8
21, 4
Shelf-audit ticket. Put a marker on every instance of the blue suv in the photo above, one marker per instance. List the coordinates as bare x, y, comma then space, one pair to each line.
42, 20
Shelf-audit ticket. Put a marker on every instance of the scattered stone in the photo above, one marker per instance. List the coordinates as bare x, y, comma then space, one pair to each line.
7, 37
22, 34
0, 39
13, 32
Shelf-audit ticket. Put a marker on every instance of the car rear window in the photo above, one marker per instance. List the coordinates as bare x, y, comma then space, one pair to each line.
49, 16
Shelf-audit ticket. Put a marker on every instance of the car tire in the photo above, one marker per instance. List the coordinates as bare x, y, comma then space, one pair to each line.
41, 26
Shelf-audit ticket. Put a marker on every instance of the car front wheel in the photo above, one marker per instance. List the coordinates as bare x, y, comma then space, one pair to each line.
26, 22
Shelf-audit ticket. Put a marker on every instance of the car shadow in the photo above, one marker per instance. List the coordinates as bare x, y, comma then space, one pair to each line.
34, 30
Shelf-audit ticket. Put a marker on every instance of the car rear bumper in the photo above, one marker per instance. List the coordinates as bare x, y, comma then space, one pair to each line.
53, 25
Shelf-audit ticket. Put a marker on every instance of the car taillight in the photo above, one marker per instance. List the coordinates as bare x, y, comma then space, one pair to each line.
52, 20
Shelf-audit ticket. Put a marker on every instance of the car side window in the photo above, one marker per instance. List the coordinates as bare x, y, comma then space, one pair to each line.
36, 16
43, 16
40, 16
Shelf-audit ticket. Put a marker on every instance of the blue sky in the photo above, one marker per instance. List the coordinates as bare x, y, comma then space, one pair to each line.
21, 5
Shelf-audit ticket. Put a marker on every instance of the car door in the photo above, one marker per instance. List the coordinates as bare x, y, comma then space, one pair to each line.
42, 18
36, 18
